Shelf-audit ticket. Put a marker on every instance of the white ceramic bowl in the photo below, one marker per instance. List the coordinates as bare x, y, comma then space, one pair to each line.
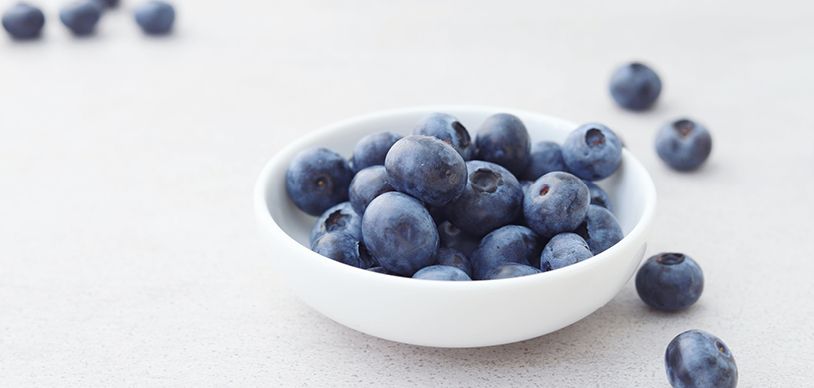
438, 313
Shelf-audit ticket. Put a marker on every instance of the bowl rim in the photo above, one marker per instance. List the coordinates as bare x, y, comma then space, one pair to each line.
265, 220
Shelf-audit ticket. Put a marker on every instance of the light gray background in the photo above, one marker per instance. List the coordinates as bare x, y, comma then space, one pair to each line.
128, 254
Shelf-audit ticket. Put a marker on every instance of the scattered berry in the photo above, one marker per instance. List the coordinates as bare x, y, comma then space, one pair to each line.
697, 359
635, 86
155, 17
81, 17
683, 144
23, 21
670, 281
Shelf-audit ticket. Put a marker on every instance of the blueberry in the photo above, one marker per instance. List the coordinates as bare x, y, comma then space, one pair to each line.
454, 258
556, 203
449, 130
23, 21
492, 198
504, 140
511, 270
343, 248
81, 17
426, 168
108, 3
670, 281
546, 156
635, 86
317, 179
399, 232
454, 238
441, 272
592, 152
509, 244
600, 229
379, 269
369, 183
598, 196
372, 149
563, 250
155, 17
683, 144
339, 218
697, 359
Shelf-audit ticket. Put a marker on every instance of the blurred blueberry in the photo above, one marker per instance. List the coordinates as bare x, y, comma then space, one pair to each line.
426, 168
635, 86
441, 272
155, 17
449, 130
683, 144
81, 17
400, 233
556, 203
454, 258
368, 183
592, 152
546, 156
23, 21
598, 196
511, 270
108, 3
509, 244
343, 248
670, 281
317, 179
372, 149
563, 250
339, 218
492, 198
504, 140
600, 229
454, 238
697, 359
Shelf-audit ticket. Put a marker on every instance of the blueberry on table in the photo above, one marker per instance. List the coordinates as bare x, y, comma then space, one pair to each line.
545, 157
509, 244
372, 149
448, 129
492, 198
368, 184
317, 179
563, 250
598, 196
23, 21
399, 232
504, 140
339, 218
454, 258
670, 281
511, 270
600, 229
441, 272
635, 86
454, 238
592, 152
155, 17
426, 168
81, 17
697, 359
683, 144
556, 203
343, 248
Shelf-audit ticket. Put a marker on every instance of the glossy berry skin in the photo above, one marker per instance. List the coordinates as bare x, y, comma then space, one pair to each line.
317, 179
448, 129
697, 359
670, 281
503, 139
556, 203
634, 86
454, 238
683, 144
339, 218
399, 232
366, 185
441, 272
372, 149
81, 17
155, 17
511, 270
343, 248
592, 152
509, 244
492, 198
600, 229
426, 168
454, 258
598, 196
23, 21
545, 157
563, 250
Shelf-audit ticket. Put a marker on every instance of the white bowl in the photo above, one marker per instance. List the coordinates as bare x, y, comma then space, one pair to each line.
438, 313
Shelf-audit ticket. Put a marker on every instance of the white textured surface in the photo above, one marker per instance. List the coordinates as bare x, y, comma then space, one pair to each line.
128, 253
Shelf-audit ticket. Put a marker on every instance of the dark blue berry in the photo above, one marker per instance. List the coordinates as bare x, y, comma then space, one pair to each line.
441, 272
380, 269
426, 168
546, 157
23, 21
492, 198
697, 359
509, 244
556, 203
504, 140
366, 185
454, 238
339, 218
317, 179
449, 130
511, 270
372, 149
155, 17
598, 196
635, 86
670, 281
343, 248
81, 17
454, 258
563, 250
683, 144
600, 229
592, 152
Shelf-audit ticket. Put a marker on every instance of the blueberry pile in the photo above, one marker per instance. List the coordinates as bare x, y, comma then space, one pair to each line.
24, 21
441, 205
